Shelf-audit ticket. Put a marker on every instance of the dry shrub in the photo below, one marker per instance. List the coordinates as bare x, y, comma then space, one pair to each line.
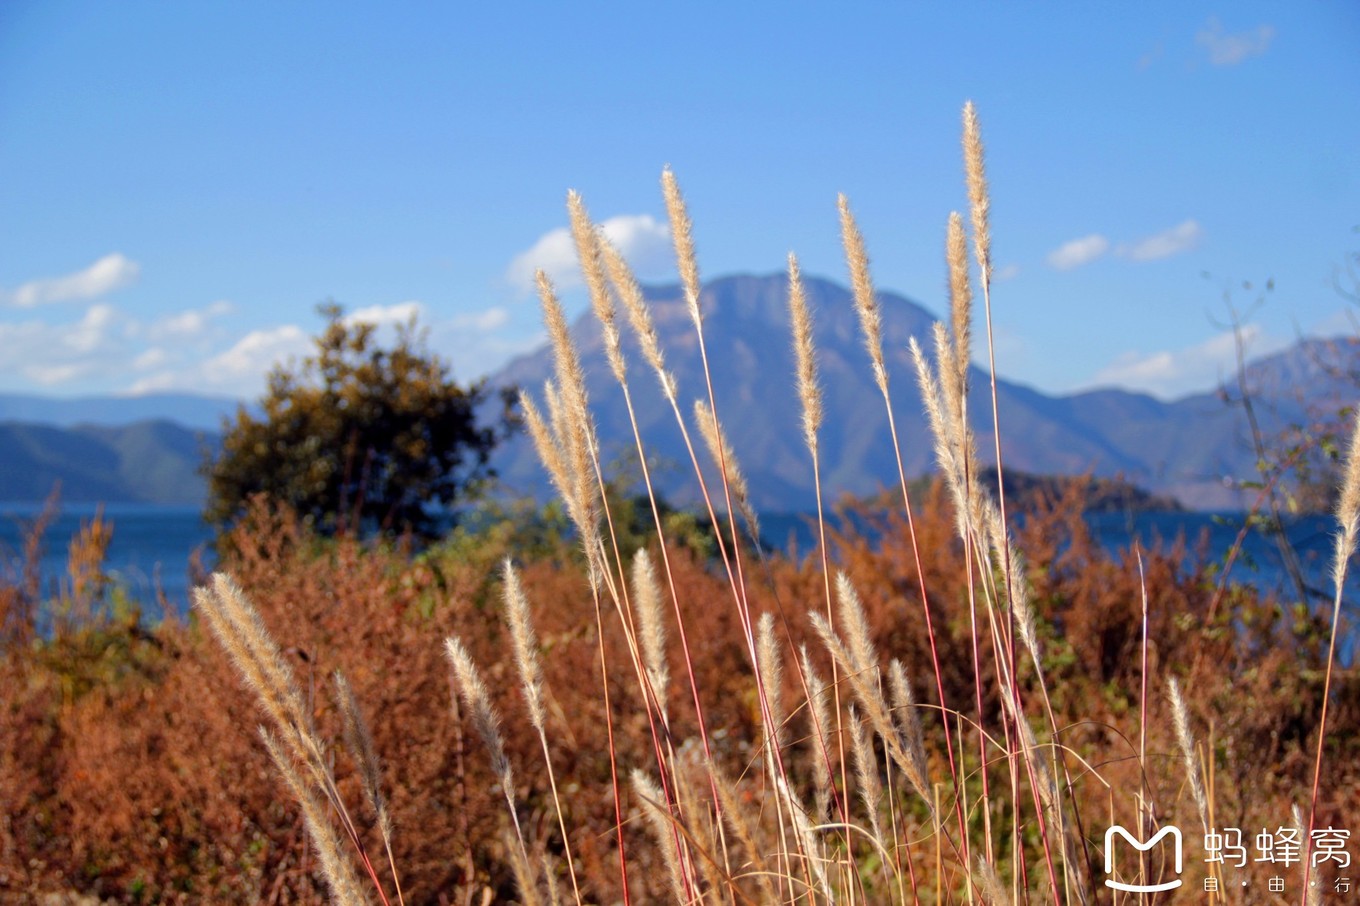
143, 777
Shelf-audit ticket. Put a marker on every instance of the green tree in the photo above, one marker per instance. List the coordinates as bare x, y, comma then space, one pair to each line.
359, 437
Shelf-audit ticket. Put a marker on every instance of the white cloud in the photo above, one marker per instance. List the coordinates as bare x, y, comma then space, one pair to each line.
239, 370
489, 319
1007, 272
189, 324
104, 276
1172, 373
52, 354
1078, 252
155, 357
253, 355
1230, 49
1180, 238
640, 238
198, 350
383, 315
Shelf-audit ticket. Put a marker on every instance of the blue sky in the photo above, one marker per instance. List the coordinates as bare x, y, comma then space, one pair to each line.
182, 183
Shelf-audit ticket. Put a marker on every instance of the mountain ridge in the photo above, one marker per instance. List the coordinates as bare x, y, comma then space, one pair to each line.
1195, 447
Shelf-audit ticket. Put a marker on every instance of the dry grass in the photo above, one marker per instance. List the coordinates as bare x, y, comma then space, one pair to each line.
916, 713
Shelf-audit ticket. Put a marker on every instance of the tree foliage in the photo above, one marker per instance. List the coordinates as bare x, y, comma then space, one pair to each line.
359, 436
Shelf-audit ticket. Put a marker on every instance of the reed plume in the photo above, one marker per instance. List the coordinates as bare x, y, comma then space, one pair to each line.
1186, 741
720, 450
360, 741
651, 798
589, 251
525, 643
1348, 517
338, 870
980, 198
647, 595
682, 235
866, 303
866, 775
809, 389
486, 722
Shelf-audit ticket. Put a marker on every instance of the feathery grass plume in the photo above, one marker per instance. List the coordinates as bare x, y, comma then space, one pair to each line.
344, 883
485, 721
360, 742
951, 389
587, 238
737, 818
989, 885
1040, 776
576, 430
946, 452
554, 894
241, 630
1017, 590
682, 235
525, 642
771, 674
650, 797
819, 716
707, 849
1348, 516
557, 419
871, 699
978, 196
809, 390
238, 626
908, 716
571, 380
1348, 510
856, 628
720, 449
866, 304
954, 366
523, 870
639, 315
1181, 720
545, 445
807, 835
960, 296
866, 775
647, 596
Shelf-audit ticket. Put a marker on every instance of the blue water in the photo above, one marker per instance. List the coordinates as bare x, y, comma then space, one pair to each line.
1208, 539
149, 554
152, 547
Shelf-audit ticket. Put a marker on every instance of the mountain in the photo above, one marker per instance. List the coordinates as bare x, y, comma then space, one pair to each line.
147, 449
145, 462
1193, 449
191, 410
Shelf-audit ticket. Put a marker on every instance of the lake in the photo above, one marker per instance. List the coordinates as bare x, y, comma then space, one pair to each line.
1258, 563
151, 548
152, 545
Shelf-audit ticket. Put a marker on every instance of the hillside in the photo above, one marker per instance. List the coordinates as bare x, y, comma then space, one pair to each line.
145, 462
1192, 449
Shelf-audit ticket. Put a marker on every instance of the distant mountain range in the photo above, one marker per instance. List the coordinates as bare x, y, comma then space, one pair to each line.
146, 462
147, 449
1194, 449
204, 413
